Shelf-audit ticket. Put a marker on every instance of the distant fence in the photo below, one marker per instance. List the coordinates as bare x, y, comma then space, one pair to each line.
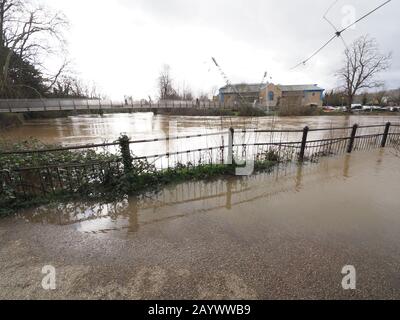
301, 146
36, 105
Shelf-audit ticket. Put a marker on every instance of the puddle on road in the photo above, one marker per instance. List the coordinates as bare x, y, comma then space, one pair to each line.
344, 192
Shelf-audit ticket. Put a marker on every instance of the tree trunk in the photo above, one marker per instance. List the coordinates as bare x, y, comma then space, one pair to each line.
1, 24
350, 99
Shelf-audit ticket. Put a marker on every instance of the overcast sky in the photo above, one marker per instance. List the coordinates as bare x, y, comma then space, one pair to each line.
123, 44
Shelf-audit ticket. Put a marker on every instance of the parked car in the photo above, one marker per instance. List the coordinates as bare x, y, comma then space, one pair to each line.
329, 109
356, 106
366, 108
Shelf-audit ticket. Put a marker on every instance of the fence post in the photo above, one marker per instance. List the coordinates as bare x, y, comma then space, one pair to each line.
230, 145
303, 143
385, 135
352, 138
126, 153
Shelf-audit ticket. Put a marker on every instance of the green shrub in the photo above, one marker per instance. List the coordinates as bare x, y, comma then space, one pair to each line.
108, 183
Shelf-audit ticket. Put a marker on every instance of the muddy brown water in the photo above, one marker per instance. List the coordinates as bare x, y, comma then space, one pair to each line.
286, 234
87, 129
362, 186
82, 129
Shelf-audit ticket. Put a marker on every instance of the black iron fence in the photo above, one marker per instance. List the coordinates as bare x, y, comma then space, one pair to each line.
234, 146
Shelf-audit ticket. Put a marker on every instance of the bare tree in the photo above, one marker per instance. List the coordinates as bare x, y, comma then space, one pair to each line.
363, 62
380, 98
187, 93
30, 33
72, 87
396, 97
214, 91
203, 96
165, 84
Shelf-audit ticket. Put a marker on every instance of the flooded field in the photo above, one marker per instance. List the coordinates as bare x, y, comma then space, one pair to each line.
286, 234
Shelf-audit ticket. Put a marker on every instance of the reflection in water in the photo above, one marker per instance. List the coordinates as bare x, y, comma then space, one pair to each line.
299, 177
379, 160
192, 198
346, 166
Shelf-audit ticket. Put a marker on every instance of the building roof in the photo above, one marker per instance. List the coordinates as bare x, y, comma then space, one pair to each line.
301, 87
242, 88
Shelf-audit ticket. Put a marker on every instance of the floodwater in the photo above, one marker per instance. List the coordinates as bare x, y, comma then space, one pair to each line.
87, 129
83, 129
362, 188
286, 234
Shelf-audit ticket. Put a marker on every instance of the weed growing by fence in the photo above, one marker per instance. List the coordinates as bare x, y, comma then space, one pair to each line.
99, 176
11, 161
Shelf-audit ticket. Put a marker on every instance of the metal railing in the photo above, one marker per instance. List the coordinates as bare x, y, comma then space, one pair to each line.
35, 105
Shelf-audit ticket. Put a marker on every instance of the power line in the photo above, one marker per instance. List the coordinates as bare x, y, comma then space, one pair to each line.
333, 26
316, 52
339, 33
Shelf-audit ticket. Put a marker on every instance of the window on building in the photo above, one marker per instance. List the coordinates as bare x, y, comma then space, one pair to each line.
271, 96
313, 94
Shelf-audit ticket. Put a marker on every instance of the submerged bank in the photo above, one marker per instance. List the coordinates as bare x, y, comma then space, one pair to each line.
97, 175
120, 186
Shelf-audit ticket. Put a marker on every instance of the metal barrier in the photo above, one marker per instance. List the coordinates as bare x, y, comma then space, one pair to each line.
40, 105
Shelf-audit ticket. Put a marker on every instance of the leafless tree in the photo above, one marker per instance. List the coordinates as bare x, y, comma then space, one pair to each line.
214, 91
72, 87
395, 97
32, 33
363, 62
165, 84
203, 96
187, 93
380, 98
